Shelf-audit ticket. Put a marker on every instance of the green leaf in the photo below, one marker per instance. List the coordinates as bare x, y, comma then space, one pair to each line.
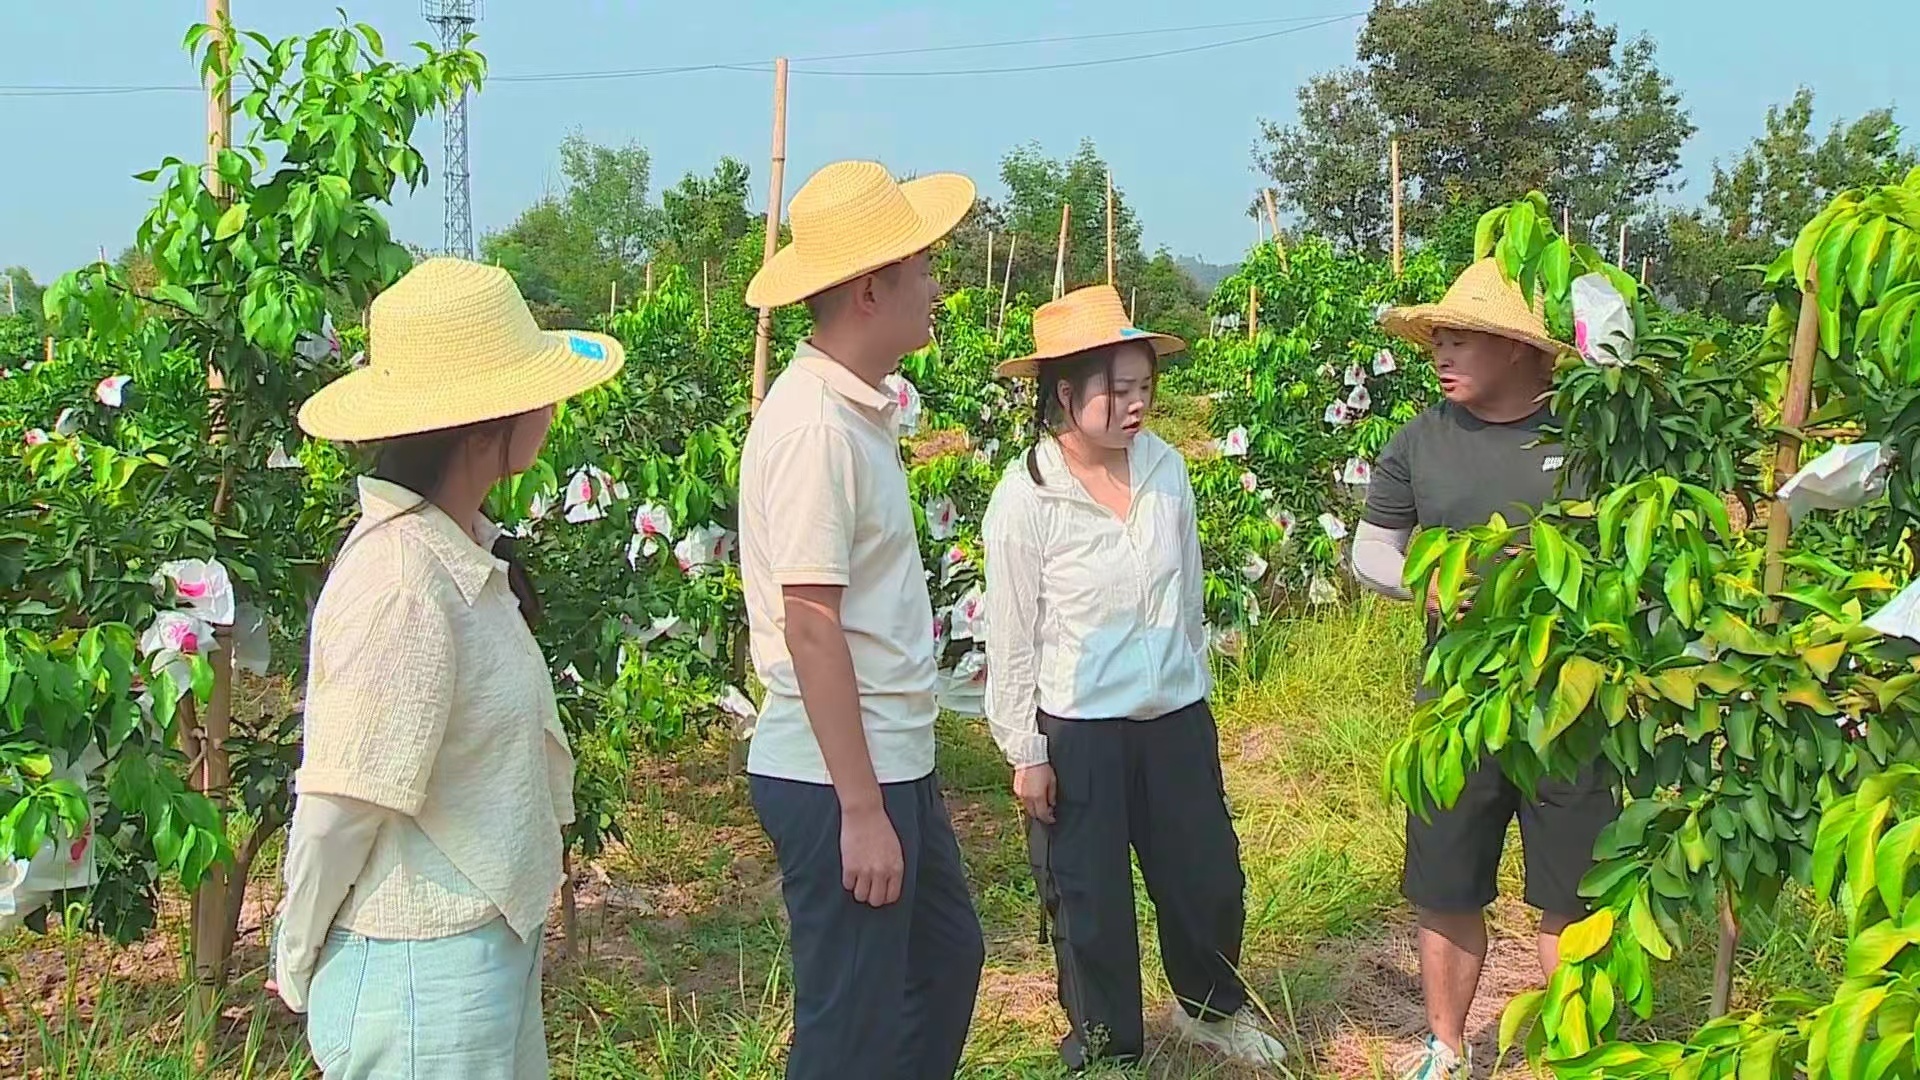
1678, 588
1550, 554
1822, 659
1640, 536
1453, 572
1849, 1023
1732, 631
1867, 245
1579, 676
1758, 1057
1613, 702
1678, 685
1521, 1011
1540, 638
1425, 550
1586, 937
1872, 949
1825, 601
1646, 931
1892, 859
231, 222
1861, 865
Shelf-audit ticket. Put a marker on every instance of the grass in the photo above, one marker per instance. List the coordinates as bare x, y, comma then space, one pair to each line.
681, 968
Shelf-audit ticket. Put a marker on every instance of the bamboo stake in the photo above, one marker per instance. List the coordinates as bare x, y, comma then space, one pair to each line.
12, 307
1793, 414
1622, 261
1393, 166
763, 330
1133, 302
706, 299
1253, 312
1006, 281
1646, 267
1566, 224
209, 919
989, 258
1273, 218
49, 348
613, 298
1110, 226
649, 277
1060, 253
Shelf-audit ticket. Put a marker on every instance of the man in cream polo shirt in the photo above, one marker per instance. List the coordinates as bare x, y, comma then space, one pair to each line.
887, 949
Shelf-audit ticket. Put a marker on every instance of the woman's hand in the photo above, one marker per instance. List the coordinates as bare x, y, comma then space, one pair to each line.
1034, 786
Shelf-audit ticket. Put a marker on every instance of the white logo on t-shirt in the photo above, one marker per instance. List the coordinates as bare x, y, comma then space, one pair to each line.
1552, 464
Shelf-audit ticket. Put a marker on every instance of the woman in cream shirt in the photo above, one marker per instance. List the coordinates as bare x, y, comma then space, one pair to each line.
435, 778
1097, 684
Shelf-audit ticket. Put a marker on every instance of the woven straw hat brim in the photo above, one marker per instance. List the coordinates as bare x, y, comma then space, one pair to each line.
1028, 367
1417, 324
939, 201
371, 404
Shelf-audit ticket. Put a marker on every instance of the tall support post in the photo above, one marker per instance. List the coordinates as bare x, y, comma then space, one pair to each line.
776, 178
1006, 282
1393, 168
1110, 276
1060, 253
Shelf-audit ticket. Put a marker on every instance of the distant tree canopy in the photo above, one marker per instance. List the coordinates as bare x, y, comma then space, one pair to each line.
1760, 199
1165, 296
574, 252
1489, 98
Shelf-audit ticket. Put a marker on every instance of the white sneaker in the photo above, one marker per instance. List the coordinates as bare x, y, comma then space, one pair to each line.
1238, 1036
1435, 1060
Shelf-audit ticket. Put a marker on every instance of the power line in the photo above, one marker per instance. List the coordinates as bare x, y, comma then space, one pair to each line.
1303, 23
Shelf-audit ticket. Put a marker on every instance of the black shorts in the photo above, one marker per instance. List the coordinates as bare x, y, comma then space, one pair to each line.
1453, 863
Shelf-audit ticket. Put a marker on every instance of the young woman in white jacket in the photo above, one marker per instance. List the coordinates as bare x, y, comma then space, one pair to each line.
1097, 691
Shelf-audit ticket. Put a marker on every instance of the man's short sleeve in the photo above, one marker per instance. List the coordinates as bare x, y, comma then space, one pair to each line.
1390, 498
379, 693
807, 484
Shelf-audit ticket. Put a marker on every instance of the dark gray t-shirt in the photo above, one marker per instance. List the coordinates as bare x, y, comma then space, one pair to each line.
1448, 467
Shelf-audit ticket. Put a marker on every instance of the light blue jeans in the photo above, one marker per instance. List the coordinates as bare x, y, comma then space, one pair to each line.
465, 1007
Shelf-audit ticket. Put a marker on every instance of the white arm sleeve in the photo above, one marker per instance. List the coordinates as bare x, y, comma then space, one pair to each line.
332, 837
1012, 531
1380, 559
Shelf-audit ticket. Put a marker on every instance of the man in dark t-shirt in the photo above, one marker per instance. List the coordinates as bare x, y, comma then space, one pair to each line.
1473, 454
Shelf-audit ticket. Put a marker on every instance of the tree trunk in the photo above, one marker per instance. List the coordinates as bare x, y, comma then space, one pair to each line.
1723, 958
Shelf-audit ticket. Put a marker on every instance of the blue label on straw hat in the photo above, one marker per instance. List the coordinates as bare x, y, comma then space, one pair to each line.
591, 350
1131, 331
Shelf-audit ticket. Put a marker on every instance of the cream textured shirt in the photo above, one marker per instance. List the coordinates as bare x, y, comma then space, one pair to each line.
428, 696
823, 501
1092, 617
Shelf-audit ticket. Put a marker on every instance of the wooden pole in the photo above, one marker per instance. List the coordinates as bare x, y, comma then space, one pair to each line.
210, 921
1646, 267
763, 330
1622, 261
649, 277
1133, 302
706, 299
1273, 218
1110, 277
989, 258
1006, 282
49, 348
1060, 253
12, 307
613, 298
1253, 312
1393, 167
1566, 224
1793, 416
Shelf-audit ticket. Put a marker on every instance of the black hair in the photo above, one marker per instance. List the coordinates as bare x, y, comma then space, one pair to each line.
419, 464
1050, 417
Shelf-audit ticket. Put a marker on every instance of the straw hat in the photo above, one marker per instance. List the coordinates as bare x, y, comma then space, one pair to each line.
452, 343
1084, 319
1479, 299
849, 219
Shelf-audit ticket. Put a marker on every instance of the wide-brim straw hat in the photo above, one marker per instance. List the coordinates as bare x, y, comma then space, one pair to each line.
851, 218
450, 344
1479, 299
1083, 320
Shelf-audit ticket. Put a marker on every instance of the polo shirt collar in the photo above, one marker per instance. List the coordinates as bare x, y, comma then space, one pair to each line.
842, 381
468, 563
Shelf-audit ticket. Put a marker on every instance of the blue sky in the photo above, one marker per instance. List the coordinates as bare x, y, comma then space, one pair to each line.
1178, 130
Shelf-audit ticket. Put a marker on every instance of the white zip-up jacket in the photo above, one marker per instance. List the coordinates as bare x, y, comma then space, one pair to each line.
1092, 617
